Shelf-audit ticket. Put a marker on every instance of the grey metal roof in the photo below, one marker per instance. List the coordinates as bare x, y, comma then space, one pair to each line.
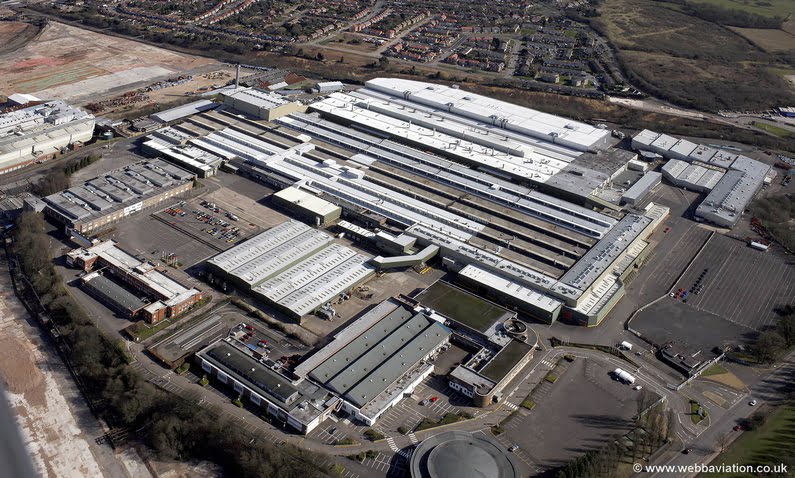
251, 372
400, 363
259, 245
375, 353
112, 291
117, 189
645, 184
358, 346
585, 271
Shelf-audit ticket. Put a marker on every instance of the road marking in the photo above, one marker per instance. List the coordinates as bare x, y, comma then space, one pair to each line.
391, 442
413, 438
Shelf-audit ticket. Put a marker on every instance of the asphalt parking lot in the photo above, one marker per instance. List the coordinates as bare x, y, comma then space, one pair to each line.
216, 326
408, 413
671, 320
147, 237
169, 232
743, 285
582, 411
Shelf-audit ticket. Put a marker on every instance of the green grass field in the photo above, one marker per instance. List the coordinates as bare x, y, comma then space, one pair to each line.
460, 306
776, 130
769, 445
714, 369
768, 8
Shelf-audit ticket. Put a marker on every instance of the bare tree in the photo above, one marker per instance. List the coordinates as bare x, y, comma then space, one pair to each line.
670, 419
643, 401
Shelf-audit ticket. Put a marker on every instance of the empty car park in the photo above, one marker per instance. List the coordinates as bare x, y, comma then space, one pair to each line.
733, 281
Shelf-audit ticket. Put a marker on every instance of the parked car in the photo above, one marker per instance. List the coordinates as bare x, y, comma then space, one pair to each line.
752, 402
425, 402
513, 448
434, 399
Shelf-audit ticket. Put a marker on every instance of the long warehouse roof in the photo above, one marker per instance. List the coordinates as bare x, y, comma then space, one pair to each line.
517, 118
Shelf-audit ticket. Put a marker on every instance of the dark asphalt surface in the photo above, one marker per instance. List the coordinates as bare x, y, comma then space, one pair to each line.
13, 454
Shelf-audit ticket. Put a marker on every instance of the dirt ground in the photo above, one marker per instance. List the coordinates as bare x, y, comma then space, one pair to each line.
70, 63
19, 372
728, 379
14, 35
50, 430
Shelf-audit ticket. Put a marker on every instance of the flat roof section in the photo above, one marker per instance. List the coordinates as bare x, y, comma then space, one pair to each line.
306, 201
512, 288
572, 133
462, 306
251, 372
505, 360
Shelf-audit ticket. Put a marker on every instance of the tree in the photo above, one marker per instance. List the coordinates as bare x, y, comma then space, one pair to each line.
769, 346
383, 62
319, 57
670, 419
786, 328
643, 401
496, 43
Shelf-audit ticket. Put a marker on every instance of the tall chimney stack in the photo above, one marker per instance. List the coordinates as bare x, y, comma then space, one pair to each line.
237, 77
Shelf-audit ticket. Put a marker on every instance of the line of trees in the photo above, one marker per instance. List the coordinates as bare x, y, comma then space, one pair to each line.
773, 343
57, 179
173, 426
654, 427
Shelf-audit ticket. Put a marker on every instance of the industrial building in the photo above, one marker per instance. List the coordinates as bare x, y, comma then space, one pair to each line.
293, 267
378, 359
507, 140
496, 341
511, 238
39, 132
99, 202
638, 191
307, 206
260, 104
299, 404
726, 203
183, 111
463, 455
731, 179
694, 176
173, 146
519, 242
329, 86
116, 297
168, 297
